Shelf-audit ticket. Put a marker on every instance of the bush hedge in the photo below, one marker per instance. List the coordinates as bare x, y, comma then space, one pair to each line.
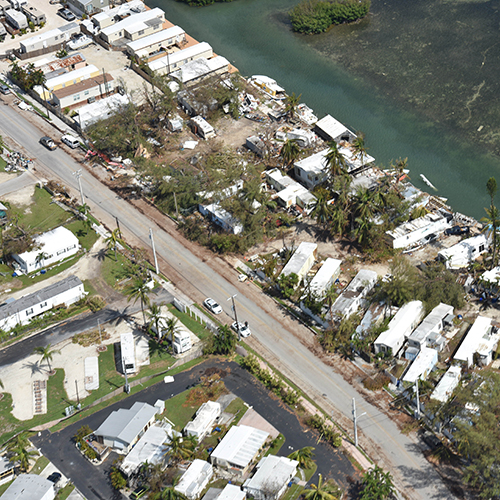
316, 16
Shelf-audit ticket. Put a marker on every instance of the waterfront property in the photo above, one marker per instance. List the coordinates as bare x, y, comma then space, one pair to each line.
268, 85
301, 261
195, 479
464, 252
173, 61
198, 70
156, 42
400, 327
330, 129
271, 479
289, 191
351, 299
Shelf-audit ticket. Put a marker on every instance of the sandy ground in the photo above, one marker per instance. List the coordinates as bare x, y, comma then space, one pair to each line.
21, 197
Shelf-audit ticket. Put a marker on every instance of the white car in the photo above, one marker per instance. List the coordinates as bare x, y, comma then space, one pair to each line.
244, 328
212, 306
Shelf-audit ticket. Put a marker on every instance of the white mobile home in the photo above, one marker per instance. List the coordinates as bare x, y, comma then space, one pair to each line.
331, 129
422, 365
127, 348
36, 16
52, 246
195, 71
195, 479
447, 384
173, 61
221, 217
351, 299
412, 232
400, 327
231, 492
324, 278
16, 19
52, 38
432, 323
201, 127
301, 261
206, 417
100, 110
30, 487
464, 252
156, 42
23, 310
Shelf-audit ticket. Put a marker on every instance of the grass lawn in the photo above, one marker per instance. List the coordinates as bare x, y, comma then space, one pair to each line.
295, 490
276, 445
238, 408
113, 270
64, 493
40, 464
199, 330
3, 164
87, 237
177, 413
4, 487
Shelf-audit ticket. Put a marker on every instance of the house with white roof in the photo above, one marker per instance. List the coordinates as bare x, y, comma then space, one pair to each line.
100, 110
195, 479
175, 60
30, 487
205, 419
445, 387
422, 365
271, 479
325, 277
156, 42
479, 343
238, 448
331, 129
221, 217
53, 38
52, 246
351, 299
231, 492
400, 328
464, 252
23, 310
301, 261
197, 70
412, 232
150, 448
432, 323
313, 170
124, 427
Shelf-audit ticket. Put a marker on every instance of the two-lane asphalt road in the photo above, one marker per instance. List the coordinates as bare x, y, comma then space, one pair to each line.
397, 452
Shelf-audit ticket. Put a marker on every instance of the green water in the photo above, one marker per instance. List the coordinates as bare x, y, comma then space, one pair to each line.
409, 78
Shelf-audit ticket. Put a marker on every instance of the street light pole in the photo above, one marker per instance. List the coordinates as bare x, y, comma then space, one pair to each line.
355, 421
78, 175
154, 250
235, 316
127, 386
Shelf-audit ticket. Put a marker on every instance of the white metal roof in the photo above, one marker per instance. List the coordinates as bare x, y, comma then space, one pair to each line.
272, 474
199, 68
127, 346
415, 225
332, 127
240, 445
492, 276
205, 417
29, 487
356, 288
328, 269
197, 474
232, 492
472, 340
49, 34
315, 163
447, 384
155, 38
461, 254
129, 22
299, 258
421, 365
101, 109
181, 55
432, 323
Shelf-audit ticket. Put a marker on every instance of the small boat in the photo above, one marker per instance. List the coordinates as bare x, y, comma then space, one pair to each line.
428, 182
269, 86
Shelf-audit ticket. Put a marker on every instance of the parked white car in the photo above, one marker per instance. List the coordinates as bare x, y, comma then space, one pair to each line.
212, 306
244, 328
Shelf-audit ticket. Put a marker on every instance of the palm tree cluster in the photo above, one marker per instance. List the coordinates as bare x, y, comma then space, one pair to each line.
18, 451
28, 76
492, 219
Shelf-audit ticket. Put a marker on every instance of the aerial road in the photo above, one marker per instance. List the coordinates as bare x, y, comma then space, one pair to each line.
394, 451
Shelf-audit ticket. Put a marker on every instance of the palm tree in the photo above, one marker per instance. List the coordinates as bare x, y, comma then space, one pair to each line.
114, 239
491, 223
154, 316
330, 298
318, 492
291, 103
362, 230
138, 290
364, 203
46, 354
304, 457
322, 209
180, 448
171, 328
335, 160
18, 451
40, 258
377, 485
170, 493
290, 152
359, 146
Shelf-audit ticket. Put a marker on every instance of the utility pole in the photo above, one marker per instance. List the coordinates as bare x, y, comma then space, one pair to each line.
355, 421
176, 208
154, 250
127, 386
118, 226
78, 175
417, 413
77, 395
235, 316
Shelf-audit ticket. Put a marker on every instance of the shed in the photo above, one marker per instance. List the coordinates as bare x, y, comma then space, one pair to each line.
124, 427
331, 129
256, 145
301, 261
422, 365
400, 327
195, 479
479, 334
206, 416
30, 487
432, 323
445, 387
352, 297
174, 123
464, 252
271, 479
238, 448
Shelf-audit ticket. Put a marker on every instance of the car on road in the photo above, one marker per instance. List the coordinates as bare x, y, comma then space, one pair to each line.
212, 306
67, 14
4, 89
243, 327
48, 143
71, 141
55, 477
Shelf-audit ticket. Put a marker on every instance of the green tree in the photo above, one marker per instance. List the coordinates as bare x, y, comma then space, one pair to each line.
290, 152
154, 316
118, 480
399, 288
138, 290
360, 147
335, 161
318, 492
224, 342
304, 456
492, 218
171, 328
46, 354
170, 493
40, 258
291, 103
288, 284
180, 448
377, 485
113, 240
322, 208
18, 451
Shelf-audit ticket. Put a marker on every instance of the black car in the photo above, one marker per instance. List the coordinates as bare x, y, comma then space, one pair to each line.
55, 477
457, 230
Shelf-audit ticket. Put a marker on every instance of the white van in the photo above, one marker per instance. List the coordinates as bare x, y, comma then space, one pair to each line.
71, 141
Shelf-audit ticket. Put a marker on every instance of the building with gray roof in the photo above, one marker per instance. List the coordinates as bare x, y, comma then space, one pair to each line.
123, 428
21, 311
238, 448
30, 487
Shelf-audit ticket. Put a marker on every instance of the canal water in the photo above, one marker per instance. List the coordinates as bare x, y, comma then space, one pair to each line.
418, 78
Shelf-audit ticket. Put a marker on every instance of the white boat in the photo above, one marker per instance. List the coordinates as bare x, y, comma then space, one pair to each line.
269, 86
428, 182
